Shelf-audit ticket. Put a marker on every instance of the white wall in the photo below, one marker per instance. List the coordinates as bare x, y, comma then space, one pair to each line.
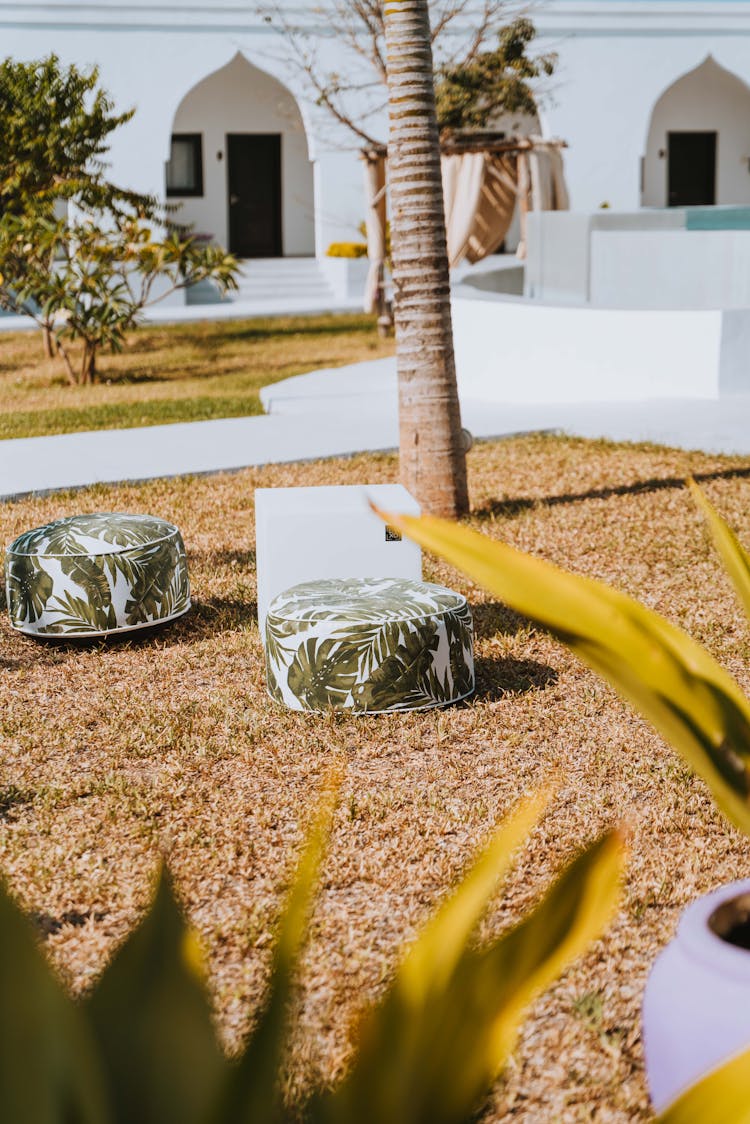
557, 256
708, 99
513, 350
240, 98
641, 259
617, 57
687, 269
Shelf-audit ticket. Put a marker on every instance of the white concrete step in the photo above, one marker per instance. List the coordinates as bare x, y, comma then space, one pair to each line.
263, 279
280, 285
280, 267
273, 281
370, 387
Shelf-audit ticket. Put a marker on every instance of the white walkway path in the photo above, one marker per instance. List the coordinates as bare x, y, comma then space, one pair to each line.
230, 310
339, 412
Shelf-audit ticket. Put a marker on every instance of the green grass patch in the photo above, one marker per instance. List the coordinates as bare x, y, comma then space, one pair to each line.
175, 373
43, 423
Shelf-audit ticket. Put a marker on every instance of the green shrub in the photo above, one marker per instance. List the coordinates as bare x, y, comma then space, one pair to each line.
89, 282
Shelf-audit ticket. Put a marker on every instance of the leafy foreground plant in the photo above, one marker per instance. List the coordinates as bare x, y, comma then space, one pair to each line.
141, 1047
672, 680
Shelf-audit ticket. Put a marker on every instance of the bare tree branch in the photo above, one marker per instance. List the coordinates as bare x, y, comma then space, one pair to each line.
327, 88
460, 31
442, 19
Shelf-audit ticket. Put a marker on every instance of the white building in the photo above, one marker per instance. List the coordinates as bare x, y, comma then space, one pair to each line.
652, 97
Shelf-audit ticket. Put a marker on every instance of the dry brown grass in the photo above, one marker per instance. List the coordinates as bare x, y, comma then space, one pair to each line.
111, 752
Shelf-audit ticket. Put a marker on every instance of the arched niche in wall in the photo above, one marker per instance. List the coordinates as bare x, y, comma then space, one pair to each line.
239, 167
698, 144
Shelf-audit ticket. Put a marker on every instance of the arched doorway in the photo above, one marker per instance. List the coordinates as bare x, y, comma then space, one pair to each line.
239, 167
698, 147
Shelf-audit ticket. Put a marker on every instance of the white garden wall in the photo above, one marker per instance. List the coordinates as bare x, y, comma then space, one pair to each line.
670, 268
509, 349
643, 259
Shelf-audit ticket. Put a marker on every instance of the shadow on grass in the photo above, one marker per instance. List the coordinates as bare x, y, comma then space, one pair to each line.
47, 925
516, 505
169, 372
216, 614
493, 617
204, 619
13, 799
213, 559
31, 652
211, 335
501, 678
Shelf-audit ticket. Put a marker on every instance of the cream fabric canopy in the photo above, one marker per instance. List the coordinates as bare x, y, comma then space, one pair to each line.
481, 187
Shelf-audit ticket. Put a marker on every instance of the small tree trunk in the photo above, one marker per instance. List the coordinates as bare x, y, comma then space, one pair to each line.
88, 363
68, 365
48, 340
376, 222
432, 455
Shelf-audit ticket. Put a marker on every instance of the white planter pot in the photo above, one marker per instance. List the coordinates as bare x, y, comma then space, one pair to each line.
696, 1009
346, 276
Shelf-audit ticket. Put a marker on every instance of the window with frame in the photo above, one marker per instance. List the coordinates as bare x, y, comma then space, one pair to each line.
185, 165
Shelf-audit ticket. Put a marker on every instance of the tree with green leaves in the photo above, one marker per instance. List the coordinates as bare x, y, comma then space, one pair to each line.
474, 82
87, 283
474, 92
78, 254
55, 127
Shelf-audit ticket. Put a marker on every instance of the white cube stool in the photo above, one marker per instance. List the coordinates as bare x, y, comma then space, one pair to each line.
306, 534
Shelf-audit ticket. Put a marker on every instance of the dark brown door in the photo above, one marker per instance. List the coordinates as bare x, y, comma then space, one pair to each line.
691, 169
254, 175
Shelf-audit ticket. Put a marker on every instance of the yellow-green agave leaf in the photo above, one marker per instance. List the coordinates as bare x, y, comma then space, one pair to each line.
151, 1020
666, 675
50, 1070
733, 555
723, 1097
430, 1051
431, 960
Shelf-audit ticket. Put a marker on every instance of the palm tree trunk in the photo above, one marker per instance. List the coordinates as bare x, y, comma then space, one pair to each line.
432, 452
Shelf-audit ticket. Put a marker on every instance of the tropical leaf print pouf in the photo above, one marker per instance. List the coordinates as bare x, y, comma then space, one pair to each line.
368, 645
89, 575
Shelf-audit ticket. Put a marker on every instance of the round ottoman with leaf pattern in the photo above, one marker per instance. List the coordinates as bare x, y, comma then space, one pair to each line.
369, 645
91, 575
